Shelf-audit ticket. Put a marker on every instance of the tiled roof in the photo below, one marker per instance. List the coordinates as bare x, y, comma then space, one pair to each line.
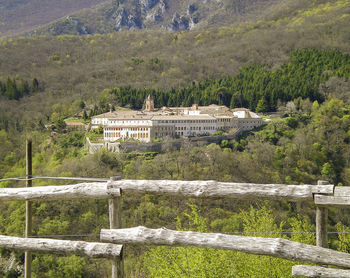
183, 117
75, 124
205, 112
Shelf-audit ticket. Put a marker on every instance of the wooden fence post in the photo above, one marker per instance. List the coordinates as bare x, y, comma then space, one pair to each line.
115, 222
28, 229
321, 223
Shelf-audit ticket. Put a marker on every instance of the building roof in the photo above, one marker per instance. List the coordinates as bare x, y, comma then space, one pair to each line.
183, 117
127, 115
105, 115
75, 124
213, 106
244, 113
180, 113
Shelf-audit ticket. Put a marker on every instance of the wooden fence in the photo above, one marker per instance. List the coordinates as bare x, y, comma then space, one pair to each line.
323, 194
90, 249
93, 190
276, 247
194, 189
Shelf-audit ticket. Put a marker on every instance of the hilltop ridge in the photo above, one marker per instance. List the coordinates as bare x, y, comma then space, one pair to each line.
157, 14
100, 16
25, 15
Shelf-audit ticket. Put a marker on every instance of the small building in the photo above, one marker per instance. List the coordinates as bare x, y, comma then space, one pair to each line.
154, 123
246, 119
76, 126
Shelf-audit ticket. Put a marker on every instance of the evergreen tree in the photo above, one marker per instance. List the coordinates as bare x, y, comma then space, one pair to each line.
35, 85
262, 105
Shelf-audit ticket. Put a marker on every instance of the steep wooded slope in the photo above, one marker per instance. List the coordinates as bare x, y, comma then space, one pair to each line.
23, 15
71, 68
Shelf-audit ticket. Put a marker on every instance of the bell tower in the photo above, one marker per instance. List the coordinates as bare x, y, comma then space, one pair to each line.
149, 104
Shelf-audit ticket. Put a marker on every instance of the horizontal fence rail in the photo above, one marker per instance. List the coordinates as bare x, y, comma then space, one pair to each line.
215, 189
275, 247
90, 249
199, 189
60, 192
340, 198
317, 272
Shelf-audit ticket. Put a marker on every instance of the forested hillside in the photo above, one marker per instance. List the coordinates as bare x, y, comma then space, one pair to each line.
16, 89
104, 16
293, 59
75, 68
177, 15
18, 16
253, 87
310, 143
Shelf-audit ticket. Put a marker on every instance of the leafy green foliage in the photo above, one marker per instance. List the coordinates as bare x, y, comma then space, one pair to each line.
298, 149
200, 262
254, 87
294, 149
344, 239
60, 267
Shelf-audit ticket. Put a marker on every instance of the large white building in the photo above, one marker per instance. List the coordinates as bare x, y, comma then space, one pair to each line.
152, 123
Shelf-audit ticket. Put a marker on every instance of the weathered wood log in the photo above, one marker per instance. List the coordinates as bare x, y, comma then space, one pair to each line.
201, 189
276, 247
91, 249
317, 272
76, 191
331, 201
214, 189
342, 191
341, 198
321, 227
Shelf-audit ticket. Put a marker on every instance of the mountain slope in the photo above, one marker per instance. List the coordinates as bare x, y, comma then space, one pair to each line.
23, 15
74, 68
154, 14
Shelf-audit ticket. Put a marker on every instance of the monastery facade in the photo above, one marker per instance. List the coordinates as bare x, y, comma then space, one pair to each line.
154, 123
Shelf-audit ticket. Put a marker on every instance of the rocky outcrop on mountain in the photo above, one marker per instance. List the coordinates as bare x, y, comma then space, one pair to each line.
148, 4
187, 21
155, 13
173, 15
124, 19
180, 22
140, 14
145, 13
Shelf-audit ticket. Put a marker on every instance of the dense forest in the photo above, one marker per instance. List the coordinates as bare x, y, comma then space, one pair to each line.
254, 87
75, 68
16, 89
